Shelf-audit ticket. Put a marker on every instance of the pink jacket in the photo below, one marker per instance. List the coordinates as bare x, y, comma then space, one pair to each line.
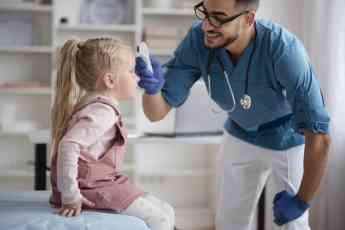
98, 178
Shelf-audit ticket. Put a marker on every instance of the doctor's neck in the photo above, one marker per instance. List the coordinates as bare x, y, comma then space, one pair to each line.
236, 48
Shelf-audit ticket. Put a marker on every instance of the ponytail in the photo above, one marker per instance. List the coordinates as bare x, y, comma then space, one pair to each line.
67, 91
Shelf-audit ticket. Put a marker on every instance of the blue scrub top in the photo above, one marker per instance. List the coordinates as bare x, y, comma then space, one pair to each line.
286, 96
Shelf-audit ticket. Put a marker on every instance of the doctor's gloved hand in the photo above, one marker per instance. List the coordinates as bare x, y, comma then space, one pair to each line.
152, 83
287, 207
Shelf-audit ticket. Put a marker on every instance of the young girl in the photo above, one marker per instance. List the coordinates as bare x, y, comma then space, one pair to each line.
89, 136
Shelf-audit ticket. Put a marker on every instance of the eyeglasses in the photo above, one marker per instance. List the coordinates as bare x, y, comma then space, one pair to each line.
202, 14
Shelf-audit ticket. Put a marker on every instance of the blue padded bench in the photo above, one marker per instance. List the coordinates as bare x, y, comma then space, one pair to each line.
30, 210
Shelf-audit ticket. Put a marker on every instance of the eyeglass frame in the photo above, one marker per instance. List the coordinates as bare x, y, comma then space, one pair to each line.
220, 21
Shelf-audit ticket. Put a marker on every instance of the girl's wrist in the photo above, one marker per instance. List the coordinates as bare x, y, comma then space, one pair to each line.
70, 198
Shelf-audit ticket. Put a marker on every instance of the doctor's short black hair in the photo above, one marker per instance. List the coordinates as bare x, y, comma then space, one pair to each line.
248, 4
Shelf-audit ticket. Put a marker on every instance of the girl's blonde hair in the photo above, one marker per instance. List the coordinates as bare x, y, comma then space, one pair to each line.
79, 65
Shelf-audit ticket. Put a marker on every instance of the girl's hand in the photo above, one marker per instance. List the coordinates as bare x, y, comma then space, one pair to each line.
70, 210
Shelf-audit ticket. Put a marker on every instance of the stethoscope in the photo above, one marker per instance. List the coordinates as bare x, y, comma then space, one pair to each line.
246, 100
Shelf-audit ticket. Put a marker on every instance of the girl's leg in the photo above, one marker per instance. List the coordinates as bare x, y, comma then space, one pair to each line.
154, 217
164, 206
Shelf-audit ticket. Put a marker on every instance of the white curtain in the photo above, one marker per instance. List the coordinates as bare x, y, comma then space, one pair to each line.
325, 41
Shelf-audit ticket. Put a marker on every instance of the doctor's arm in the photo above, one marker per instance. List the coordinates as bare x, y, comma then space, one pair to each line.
155, 107
315, 161
310, 118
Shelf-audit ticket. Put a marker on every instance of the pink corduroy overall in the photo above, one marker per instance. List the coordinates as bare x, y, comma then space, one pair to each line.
100, 181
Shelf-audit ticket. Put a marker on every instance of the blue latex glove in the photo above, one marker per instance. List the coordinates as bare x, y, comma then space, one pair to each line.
287, 207
152, 83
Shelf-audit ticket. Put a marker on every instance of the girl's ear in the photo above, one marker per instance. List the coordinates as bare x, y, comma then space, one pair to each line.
109, 80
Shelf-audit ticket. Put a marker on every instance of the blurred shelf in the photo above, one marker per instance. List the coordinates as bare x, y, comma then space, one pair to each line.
44, 91
163, 52
193, 139
27, 49
97, 28
10, 134
170, 12
128, 167
26, 7
175, 173
129, 120
43, 136
195, 210
10, 172
200, 218
18, 173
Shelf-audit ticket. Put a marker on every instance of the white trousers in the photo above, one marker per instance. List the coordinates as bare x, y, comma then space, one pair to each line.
243, 170
157, 214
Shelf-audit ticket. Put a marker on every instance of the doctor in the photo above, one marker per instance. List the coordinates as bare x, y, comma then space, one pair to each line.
277, 126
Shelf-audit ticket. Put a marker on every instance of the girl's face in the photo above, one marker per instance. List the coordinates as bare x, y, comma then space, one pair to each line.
127, 81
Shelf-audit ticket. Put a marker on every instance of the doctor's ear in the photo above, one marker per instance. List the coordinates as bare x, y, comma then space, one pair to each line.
250, 17
110, 80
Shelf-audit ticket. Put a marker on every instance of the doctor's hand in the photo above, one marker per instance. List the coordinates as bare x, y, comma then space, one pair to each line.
287, 207
152, 83
74, 209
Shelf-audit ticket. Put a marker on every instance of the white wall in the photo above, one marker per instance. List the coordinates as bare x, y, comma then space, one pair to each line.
287, 13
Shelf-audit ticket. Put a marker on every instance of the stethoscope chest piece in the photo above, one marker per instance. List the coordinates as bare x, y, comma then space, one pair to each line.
246, 102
